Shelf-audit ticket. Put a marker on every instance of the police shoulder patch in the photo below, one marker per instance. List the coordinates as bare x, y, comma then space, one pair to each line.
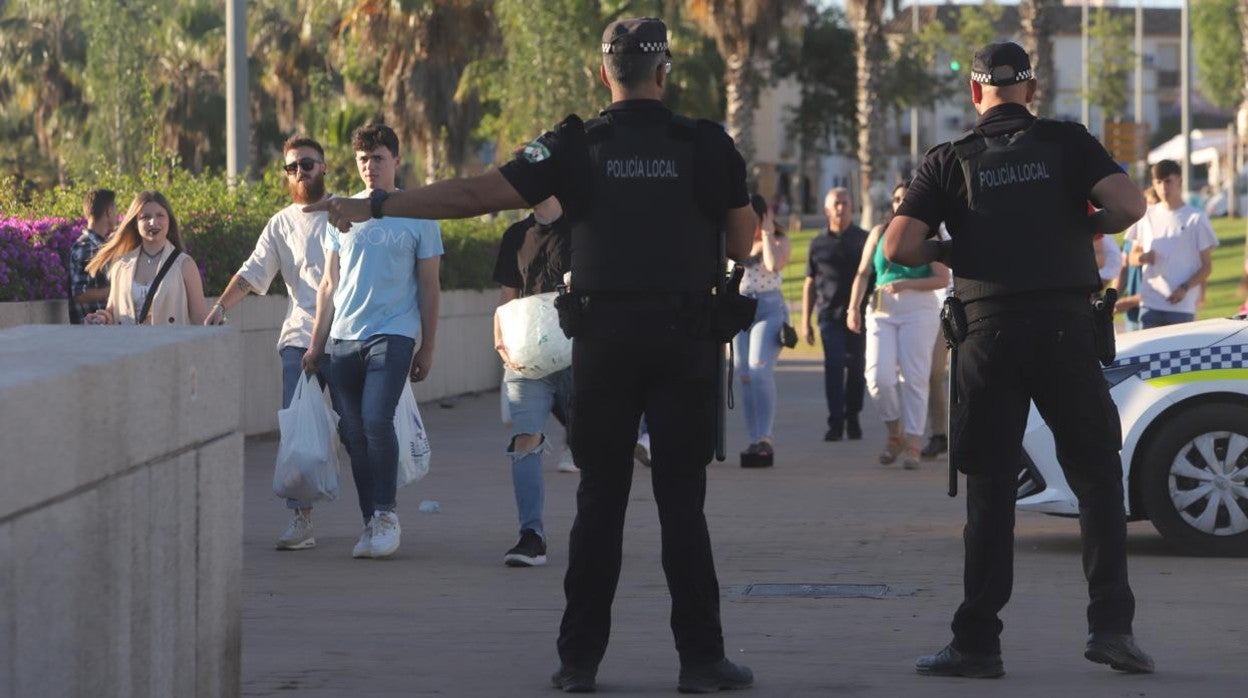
535, 152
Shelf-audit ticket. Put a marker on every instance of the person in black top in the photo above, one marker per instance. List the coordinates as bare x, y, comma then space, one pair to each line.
647, 194
1013, 193
832, 264
532, 259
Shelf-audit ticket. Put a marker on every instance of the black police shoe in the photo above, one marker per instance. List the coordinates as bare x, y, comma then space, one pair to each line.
852, 429
936, 446
833, 433
713, 677
1119, 652
952, 662
573, 680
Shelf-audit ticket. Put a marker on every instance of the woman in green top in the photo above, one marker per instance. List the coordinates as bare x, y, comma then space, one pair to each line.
901, 327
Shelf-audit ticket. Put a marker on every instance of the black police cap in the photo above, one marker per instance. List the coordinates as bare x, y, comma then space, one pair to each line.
635, 36
1001, 64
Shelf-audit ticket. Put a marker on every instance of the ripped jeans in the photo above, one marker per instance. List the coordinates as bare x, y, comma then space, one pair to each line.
530, 401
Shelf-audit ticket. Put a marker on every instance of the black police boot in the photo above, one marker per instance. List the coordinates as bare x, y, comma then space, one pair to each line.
834, 432
937, 445
952, 662
1119, 652
713, 677
574, 680
852, 429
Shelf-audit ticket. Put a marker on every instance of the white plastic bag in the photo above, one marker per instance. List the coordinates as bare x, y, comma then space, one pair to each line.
414, 452
531, 333
307, 457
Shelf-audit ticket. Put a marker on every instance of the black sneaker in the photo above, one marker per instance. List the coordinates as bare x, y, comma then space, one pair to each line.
529, 552
572, 680
852, 429
717, 676
952, 662
936, 446
1119, 652
833, 433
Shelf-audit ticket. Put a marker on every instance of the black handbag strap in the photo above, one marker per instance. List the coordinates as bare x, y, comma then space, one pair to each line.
151, 290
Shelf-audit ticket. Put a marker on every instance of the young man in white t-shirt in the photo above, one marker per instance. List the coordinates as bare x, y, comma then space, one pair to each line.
291, 243
1174, 244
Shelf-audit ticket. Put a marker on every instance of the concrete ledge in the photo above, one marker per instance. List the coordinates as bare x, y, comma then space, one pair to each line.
120, 511
34, 313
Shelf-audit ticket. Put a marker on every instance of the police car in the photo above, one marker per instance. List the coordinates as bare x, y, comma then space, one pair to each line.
1182, 396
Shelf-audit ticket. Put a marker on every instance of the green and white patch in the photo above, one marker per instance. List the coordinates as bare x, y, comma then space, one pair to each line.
535, 151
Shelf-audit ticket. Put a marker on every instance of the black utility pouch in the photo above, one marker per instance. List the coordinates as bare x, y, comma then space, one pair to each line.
571, 309
1103, 310
953, 322
731, 311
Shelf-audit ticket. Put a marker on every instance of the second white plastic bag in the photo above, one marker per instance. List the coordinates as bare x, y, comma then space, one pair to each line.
414, 452
307, 456
531, 333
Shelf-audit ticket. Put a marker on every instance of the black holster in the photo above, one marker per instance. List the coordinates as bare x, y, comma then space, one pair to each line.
732, 312
571, 310
1103, 310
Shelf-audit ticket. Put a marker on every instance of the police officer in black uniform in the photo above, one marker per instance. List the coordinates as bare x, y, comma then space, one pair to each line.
1014, 192
648, 194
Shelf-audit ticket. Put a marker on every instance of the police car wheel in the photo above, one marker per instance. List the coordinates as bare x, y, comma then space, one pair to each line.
1194, 480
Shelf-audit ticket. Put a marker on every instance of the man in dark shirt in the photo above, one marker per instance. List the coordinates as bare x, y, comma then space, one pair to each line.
830, 269
88, 293
534, 255
1014, 194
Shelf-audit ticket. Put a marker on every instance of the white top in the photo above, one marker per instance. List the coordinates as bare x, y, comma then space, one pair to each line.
291, 243
1176, 237
1113, 259
138, 291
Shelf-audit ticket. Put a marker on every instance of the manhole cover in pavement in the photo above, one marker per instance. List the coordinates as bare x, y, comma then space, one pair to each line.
819, 591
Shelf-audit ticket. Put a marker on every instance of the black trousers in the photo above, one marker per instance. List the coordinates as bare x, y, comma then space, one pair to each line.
625, 364
1040, 351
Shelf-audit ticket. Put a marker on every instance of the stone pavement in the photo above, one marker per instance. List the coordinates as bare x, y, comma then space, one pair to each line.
445, 617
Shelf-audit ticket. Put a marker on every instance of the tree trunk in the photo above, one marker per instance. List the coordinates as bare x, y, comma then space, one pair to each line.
741, 80
1038, 18
872, 53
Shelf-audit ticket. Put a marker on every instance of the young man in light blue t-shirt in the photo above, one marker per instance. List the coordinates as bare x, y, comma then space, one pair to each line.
376, 304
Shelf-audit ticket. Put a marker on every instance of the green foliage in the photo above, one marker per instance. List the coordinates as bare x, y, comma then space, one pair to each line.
937, 65
824, 119
977, 25
1219, 51
470, 248
1110, 61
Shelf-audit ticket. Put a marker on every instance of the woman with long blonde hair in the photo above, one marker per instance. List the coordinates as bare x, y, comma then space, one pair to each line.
145, 241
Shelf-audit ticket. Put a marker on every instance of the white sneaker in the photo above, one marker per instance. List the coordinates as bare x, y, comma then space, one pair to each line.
298, 535
642, 450
364, 546
566, 464
385, 533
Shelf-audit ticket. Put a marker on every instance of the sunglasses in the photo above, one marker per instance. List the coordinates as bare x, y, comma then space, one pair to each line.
305, 164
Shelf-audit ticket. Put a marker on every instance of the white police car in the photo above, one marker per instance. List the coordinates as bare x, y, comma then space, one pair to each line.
1182, 396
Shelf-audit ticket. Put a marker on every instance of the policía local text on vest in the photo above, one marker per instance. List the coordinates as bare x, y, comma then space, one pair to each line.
1012, 174
639, 168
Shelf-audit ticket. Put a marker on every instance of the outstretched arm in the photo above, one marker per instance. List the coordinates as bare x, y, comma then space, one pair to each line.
450, 198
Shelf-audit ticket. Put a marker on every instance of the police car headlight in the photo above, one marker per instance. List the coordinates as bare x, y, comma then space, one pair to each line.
1117, 374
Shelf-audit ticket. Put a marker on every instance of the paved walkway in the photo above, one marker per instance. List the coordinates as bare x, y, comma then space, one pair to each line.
445, 617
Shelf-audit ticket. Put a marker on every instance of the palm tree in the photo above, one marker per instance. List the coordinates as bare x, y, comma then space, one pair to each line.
872, 50
1039, 19
743, 31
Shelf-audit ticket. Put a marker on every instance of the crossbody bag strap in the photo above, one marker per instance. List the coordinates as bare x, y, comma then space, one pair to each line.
151, 290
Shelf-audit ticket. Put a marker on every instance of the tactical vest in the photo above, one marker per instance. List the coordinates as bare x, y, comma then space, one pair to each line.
640, 228
1024, 230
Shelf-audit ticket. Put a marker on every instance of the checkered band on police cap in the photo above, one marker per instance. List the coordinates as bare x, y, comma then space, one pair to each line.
1001, 64
638, 35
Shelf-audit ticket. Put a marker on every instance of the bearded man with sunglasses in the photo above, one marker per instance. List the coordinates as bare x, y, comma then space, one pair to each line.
291, 243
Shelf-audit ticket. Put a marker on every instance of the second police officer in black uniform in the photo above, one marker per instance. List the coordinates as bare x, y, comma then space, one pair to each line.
648, 194
1014, 192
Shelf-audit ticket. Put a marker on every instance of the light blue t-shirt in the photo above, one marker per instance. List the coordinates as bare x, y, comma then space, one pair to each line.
377, 291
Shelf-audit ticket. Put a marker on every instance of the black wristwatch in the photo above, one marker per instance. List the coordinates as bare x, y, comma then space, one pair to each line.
375, 199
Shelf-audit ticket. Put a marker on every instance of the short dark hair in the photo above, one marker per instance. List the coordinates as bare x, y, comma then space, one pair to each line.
298, 141
632, 69
369, 137
97, 201
759, 203
1165, 168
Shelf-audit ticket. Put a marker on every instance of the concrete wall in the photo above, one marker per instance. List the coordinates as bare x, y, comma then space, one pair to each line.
120, 512
464, 361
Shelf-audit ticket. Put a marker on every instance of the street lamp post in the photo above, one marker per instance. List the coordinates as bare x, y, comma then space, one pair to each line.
1185, 92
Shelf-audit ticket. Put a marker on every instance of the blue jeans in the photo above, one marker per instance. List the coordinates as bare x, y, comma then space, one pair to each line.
367, 377
844, 370
755, 353
530, 400
292, 371
1160, 318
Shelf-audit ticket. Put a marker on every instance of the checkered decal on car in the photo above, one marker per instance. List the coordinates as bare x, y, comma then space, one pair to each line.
1185, 360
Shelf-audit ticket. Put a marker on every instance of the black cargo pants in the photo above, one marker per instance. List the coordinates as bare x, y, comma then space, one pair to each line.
1036, 349
627, 361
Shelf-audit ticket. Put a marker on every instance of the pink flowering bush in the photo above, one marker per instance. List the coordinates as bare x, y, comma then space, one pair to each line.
33, 257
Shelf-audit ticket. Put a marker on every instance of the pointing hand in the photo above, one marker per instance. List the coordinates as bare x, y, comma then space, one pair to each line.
342, 212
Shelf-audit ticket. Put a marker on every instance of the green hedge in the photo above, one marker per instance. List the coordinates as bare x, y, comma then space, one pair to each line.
220, 224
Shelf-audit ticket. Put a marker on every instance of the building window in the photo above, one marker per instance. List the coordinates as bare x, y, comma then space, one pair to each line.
1167, 64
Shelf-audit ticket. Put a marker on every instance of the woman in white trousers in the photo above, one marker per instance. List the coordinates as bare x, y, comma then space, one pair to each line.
901, 327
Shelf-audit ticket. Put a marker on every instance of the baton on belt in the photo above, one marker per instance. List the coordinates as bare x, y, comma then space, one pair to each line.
721, 363
953, 325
